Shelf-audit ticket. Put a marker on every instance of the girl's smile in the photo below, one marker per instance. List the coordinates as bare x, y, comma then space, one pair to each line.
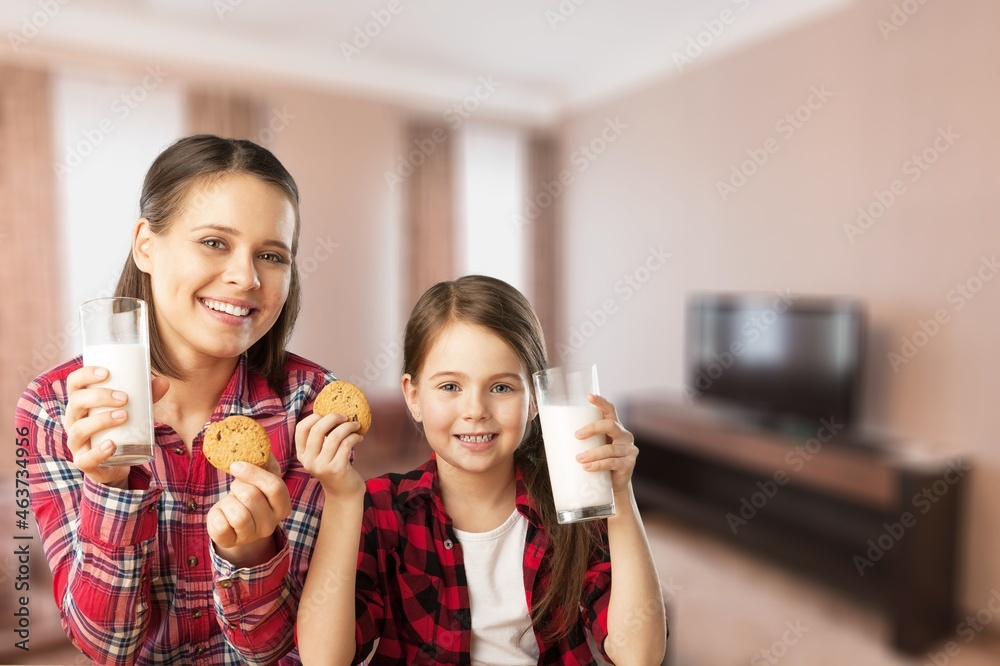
477, 442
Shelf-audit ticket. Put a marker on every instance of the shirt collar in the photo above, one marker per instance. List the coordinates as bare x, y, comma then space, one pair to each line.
248, 393
422, 485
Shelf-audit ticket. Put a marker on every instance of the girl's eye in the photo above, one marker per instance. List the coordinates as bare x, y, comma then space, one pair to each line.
450, 386
503, 388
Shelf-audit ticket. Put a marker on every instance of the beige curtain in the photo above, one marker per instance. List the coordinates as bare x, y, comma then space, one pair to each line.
31, 338
545, 238
224, 114
429, 234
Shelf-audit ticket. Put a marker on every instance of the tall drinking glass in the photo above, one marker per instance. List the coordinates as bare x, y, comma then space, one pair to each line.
116, 337
561, 394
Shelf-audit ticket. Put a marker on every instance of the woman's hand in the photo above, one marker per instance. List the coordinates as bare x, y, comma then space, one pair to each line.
618, 454
324, 445
242, 523
81, 425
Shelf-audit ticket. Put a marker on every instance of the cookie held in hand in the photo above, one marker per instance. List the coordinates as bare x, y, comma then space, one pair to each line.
236, 438
345, 398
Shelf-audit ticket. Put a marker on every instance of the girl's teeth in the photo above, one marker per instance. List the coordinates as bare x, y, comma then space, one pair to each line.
482, 439
228, 308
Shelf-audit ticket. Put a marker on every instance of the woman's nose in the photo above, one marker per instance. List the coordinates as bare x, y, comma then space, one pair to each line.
241, 272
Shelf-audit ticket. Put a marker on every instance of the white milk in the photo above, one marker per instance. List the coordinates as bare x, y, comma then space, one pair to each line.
573, 487
129, 368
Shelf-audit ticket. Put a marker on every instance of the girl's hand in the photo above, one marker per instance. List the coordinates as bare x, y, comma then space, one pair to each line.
242, 523
80, 425
618, 454
324, 445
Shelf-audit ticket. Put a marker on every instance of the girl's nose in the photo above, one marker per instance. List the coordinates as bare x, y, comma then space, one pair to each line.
475, 406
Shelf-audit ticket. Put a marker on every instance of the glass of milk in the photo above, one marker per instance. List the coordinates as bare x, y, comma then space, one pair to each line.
116, 337
561, 394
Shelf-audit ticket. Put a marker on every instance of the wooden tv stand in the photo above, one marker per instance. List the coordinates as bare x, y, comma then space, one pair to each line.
854, 513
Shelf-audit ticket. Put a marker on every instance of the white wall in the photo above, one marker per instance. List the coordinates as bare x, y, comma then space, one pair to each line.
108, 129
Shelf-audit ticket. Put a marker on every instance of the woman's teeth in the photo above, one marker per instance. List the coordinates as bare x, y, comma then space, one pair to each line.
478, 439
228, 308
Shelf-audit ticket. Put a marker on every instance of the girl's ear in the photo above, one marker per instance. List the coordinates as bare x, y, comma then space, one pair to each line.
142, 242
409, 386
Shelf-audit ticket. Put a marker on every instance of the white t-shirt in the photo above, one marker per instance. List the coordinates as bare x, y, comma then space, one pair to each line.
494, 569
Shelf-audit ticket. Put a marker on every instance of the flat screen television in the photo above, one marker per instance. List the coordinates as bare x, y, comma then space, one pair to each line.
785, 359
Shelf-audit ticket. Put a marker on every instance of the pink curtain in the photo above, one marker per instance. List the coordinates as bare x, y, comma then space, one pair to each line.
33, 339
545, 238
32, 336
429, 229
224, 114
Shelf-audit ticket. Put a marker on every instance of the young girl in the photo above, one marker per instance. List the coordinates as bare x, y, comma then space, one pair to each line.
177, 562
462, 560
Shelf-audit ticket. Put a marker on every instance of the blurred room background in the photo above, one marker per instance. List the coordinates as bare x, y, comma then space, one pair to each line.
610, 159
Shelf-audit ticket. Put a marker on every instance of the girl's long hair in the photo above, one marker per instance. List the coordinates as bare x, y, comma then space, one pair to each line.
497, 306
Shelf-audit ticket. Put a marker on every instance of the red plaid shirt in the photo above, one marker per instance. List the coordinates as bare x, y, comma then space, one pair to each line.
412, 592
133, 572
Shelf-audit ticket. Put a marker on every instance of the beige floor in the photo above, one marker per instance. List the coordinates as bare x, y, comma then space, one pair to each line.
726, 607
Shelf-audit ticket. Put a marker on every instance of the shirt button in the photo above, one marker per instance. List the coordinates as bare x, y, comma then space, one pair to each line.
200, 649
192, 505
448, 544
179, 450
196, 614
192, 561
225, 584
151, 508
233, 626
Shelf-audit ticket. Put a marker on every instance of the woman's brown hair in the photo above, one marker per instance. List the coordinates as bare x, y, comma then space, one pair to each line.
177, 180
499, 307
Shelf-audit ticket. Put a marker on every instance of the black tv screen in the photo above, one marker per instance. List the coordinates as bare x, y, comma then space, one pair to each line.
776, 355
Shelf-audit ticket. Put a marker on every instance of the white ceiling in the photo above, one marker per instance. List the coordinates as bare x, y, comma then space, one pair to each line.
547, 56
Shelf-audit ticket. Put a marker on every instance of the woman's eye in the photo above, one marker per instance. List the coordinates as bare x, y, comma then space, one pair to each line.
213, 243
273, 258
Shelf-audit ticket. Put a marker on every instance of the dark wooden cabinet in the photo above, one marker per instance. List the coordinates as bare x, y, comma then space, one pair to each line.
870, 518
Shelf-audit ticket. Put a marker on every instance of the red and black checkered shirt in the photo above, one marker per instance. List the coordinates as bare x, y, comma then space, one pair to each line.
412, 592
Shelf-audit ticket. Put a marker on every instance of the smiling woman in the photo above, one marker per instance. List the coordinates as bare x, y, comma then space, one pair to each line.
176, 561
207, 192
185, 262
